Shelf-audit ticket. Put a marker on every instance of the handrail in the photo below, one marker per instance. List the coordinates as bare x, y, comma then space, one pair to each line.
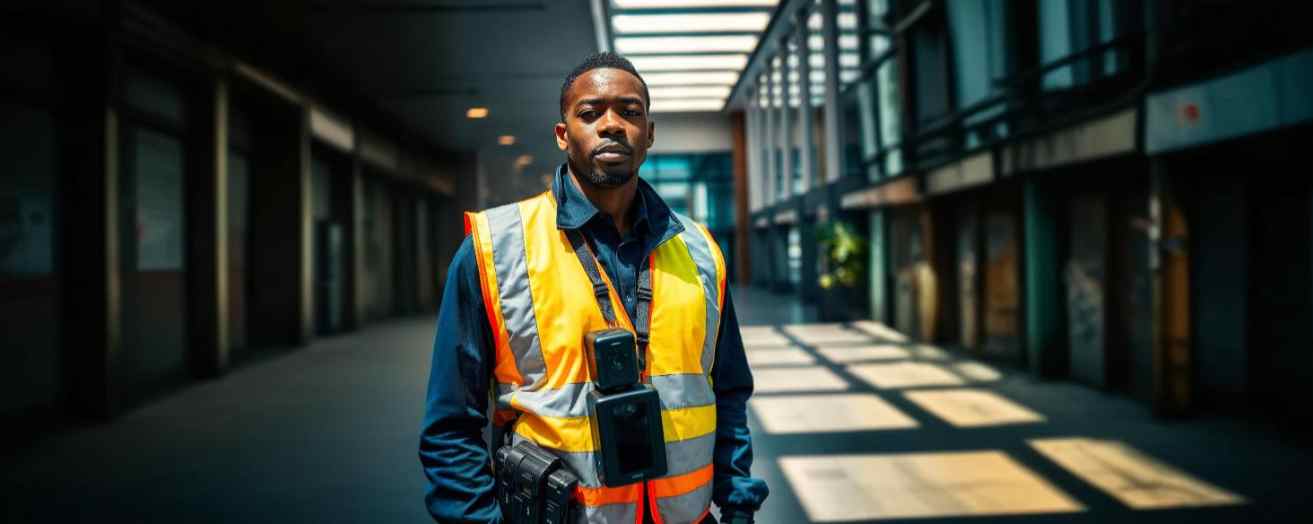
1037, 72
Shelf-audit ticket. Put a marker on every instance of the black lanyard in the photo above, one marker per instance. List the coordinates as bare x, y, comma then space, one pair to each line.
602, 292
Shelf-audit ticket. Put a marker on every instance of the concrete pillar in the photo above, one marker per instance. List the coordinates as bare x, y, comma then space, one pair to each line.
346, 201
768, 142
742, 219
207, 240
786, 124
877, 267
1043, 307
92, 309
833, 129
281, 310
805, 107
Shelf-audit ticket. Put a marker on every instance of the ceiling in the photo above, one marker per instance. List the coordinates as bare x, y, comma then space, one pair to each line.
427, 67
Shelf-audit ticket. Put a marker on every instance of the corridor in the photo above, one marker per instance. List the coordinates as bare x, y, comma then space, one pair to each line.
849, 424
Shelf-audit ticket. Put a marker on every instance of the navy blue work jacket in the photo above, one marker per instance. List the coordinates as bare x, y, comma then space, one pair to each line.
451, 446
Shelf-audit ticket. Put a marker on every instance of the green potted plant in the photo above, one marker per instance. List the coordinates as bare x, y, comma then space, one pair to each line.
842, 252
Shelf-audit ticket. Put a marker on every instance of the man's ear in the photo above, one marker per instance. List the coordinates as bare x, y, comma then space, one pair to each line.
561, 139
651, 133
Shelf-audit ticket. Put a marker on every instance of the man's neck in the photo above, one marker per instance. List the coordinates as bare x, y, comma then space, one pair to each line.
610, 201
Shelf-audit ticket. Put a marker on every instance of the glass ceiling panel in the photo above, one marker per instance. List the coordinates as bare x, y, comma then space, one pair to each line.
629, 45
690, 92
690, 52
667, 4
689, 62
690, 23
687, 104
691, 78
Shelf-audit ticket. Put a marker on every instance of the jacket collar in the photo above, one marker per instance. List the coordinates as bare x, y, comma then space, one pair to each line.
573, 210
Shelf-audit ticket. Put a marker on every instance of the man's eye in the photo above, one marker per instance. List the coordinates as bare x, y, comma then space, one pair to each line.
588, 114
633, 112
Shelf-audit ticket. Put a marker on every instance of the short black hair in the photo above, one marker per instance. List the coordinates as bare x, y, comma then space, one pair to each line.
605, 59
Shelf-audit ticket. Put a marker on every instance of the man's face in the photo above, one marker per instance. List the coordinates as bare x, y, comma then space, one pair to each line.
606, 131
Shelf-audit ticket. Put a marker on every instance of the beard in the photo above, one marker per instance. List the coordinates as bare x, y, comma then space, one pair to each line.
606, 178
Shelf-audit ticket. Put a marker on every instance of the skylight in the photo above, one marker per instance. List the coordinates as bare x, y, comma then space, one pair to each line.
690, 52
691, 23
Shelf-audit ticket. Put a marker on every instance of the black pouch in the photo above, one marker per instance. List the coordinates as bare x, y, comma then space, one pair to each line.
534, 486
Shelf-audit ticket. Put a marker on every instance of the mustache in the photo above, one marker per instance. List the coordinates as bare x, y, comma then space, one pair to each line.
629, 150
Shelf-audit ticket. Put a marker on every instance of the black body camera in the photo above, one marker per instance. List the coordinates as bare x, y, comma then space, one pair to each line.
625, 414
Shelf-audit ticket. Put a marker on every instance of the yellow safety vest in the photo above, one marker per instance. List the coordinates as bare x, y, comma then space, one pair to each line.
539, 303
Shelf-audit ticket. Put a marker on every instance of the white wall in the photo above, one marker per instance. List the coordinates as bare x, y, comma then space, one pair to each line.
691, 133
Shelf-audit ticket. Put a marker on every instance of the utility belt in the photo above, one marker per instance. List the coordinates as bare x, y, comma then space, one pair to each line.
536, 487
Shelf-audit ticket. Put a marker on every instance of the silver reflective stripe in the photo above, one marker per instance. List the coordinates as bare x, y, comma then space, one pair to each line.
610, 514
686, 508
568, 401
513, 286
683, 390
689, 455
700, 250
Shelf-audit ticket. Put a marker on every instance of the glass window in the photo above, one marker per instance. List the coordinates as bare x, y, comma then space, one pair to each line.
1068, 27
891, 132
979, 57
27, 193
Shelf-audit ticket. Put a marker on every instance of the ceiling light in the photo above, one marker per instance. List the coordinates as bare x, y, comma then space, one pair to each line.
700, 78
648, 4
666, 93
688, 62
506, 140
685, 44
523, 161
476, 112
690, 23
845, 60
687, 104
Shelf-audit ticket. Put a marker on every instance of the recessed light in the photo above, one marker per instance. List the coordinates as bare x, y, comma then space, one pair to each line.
476, 112
506, 140
690, 23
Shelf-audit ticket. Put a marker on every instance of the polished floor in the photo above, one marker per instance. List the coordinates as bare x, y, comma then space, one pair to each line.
851, 423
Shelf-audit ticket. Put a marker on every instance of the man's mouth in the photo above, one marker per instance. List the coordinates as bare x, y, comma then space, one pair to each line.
611, 153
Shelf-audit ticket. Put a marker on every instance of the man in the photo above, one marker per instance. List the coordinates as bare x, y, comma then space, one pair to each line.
518, 302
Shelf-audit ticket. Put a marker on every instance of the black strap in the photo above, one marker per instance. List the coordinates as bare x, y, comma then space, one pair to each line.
642, 309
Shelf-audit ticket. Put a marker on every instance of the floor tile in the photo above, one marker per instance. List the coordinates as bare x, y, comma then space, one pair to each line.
828, 413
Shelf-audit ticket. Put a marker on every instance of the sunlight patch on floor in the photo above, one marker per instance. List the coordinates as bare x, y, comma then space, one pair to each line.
977, 372
880, 331
1136, 479
918, 485
758, 358
817, 334
904, 375
828, 413
849, 354
757, 336
793, 379
969, 408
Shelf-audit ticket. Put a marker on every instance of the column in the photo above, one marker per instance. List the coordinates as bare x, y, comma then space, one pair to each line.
804, 106
207, 239
833, 140
786, 129
1043, 307
91, 346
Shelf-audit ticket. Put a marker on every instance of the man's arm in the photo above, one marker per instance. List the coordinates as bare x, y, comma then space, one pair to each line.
734, 491
451, 445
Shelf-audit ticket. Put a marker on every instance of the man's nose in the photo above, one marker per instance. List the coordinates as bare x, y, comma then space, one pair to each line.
610, 124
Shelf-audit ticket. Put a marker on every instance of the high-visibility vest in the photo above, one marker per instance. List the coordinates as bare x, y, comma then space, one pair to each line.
540, 304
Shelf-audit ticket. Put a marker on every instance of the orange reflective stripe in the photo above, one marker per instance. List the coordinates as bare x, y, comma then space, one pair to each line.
504, 370
681, 484
502, 416
652, 505
602, 496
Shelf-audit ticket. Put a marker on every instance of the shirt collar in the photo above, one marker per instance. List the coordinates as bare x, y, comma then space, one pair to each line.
573, 210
